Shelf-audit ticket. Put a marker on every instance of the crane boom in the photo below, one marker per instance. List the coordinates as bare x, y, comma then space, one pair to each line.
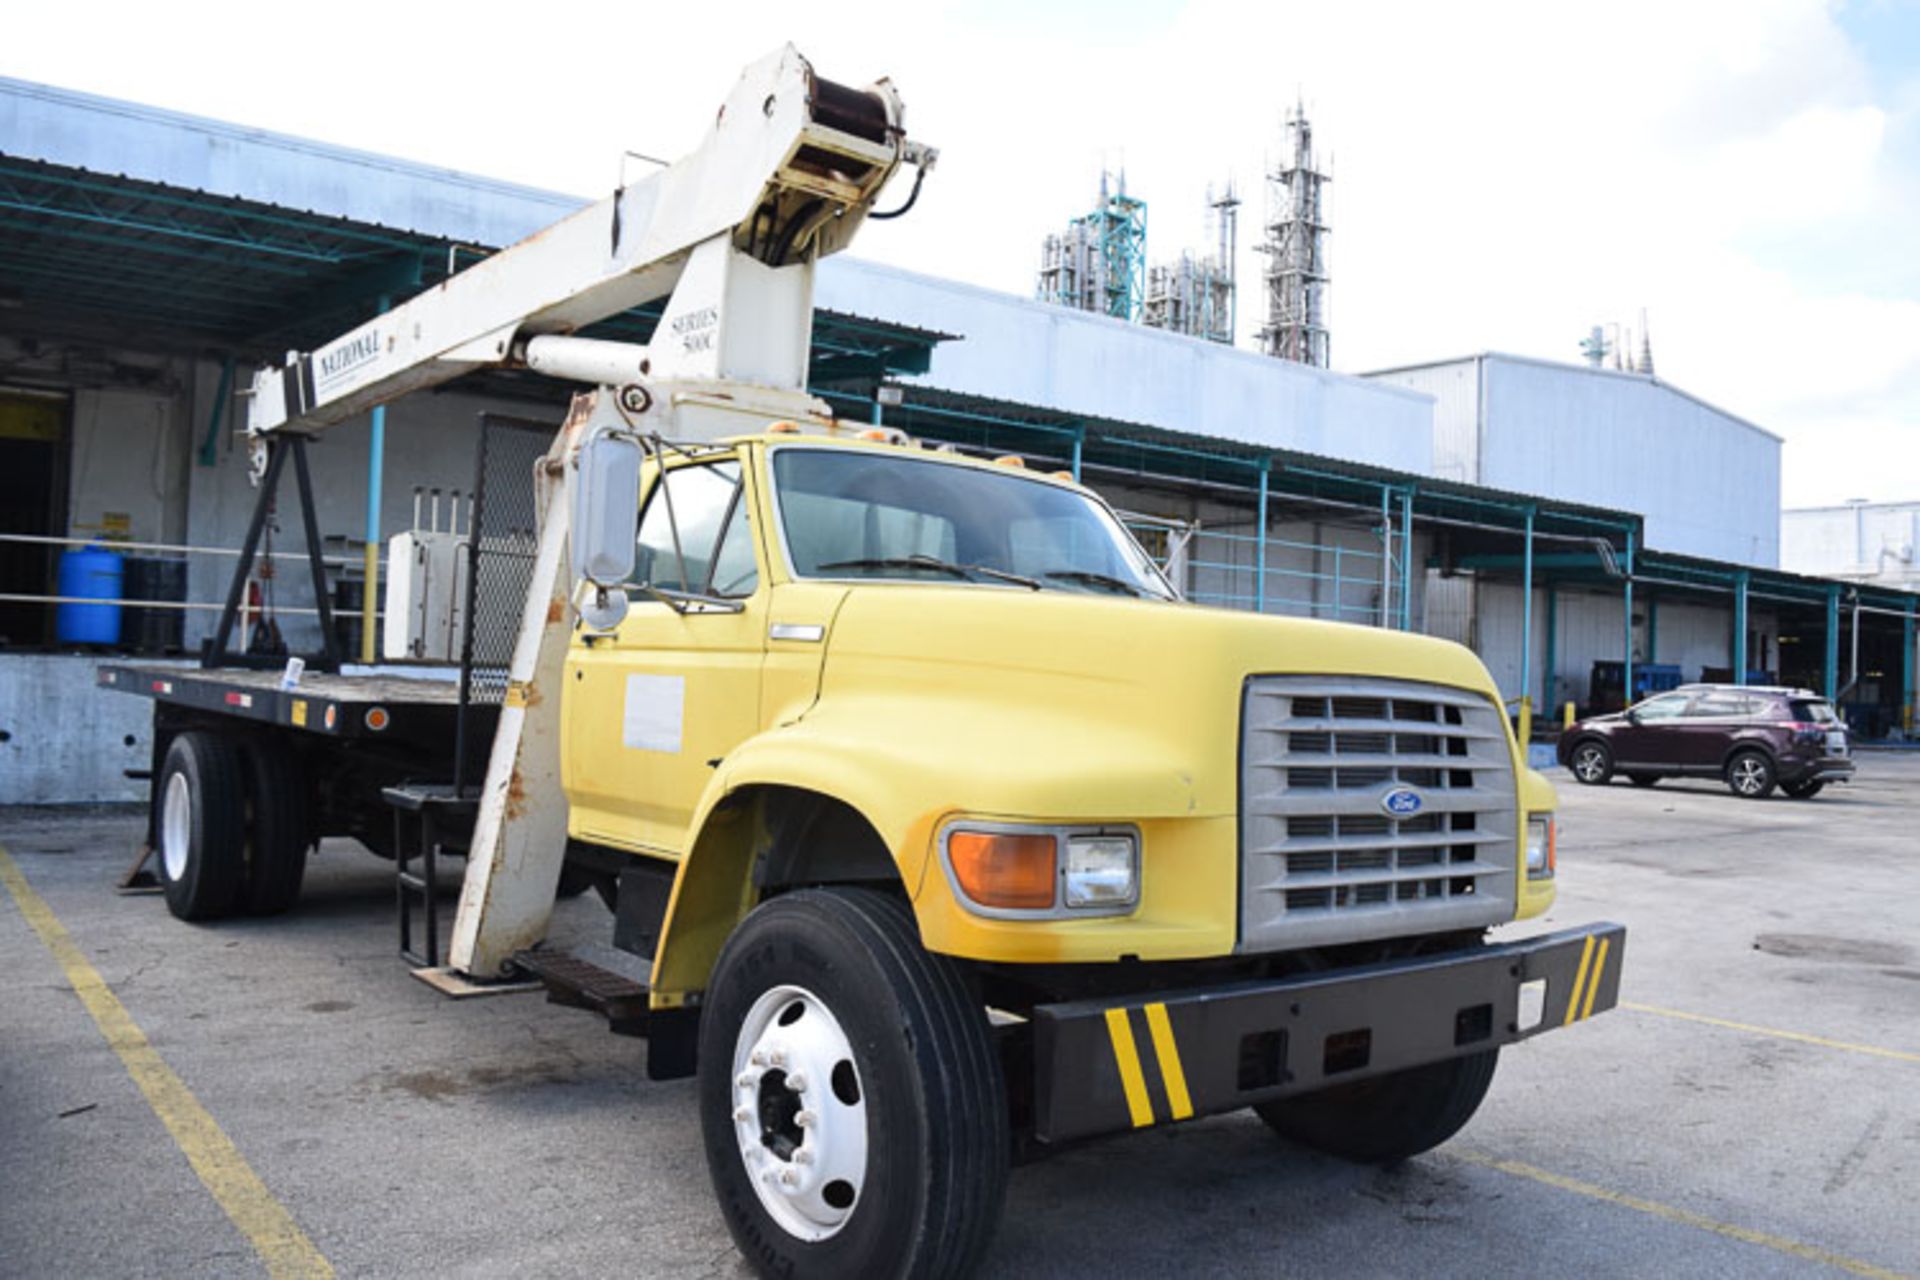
787, 174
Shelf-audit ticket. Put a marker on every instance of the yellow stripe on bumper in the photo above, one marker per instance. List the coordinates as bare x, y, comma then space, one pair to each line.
1169, 1054
1579, 982
1599, 971
1127, 1056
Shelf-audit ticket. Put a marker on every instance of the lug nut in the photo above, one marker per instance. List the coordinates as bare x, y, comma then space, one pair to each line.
797, 1081
778, 1058
744, 1079
806, 1119
803, 1156
743, 1115
759, 1058
789, 1178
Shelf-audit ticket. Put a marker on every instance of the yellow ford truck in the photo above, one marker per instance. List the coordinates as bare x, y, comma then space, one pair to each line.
937, 831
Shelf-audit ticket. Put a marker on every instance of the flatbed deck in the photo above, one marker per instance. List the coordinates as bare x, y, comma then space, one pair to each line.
360, 702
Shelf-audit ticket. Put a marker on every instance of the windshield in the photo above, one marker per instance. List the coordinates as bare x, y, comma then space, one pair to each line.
849, 513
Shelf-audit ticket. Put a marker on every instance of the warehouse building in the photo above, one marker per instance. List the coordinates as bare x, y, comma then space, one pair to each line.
149, 260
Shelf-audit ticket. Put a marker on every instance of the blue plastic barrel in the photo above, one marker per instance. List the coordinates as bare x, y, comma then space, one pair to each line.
90, 573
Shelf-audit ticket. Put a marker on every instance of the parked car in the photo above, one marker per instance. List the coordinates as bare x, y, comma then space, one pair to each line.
1754, 738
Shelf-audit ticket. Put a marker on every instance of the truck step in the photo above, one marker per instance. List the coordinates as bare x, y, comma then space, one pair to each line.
596, 984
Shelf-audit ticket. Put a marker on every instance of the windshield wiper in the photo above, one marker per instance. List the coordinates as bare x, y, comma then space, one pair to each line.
962, 571
1107, 580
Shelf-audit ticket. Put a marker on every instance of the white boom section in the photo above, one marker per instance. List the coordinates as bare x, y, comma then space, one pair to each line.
732, 234
786, 176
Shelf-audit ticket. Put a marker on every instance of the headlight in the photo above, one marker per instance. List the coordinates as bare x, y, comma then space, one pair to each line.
1540, 850
1102, 871
1006, 870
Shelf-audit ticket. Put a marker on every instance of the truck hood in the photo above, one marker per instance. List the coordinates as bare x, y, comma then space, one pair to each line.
1017, 696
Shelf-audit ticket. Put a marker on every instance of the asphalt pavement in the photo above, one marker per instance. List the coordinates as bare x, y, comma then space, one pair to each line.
1753, 1109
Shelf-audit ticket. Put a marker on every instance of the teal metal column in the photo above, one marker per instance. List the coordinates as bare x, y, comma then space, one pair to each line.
1833, 641
1260, 549
1406, 560
1553, 645
376, 472
1526, 609
1906, 673
1079, 440
1740, 662
879, 414
1653, 628
1626, 659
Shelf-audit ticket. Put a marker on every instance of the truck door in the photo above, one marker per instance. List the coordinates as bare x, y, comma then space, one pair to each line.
653, 709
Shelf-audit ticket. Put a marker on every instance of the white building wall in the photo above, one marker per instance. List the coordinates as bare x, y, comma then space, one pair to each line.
1879, 542
1707, 482
1029, 352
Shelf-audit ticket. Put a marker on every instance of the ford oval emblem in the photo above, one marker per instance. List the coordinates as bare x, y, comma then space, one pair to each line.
1402, 802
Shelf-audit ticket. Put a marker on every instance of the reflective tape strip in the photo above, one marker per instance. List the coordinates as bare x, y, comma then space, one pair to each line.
1579, 981
1593, 985
1169, 1054
1127, 1057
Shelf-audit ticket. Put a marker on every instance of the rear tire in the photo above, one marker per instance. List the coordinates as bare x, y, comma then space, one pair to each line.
1750, 775
200, 824
1643, 779
1389, 1118
277, 835
1804, 790
1591, 763
854, 1114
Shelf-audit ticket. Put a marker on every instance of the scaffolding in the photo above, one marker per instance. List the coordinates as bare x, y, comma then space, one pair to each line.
1195, 295
1100, 262
1296, 249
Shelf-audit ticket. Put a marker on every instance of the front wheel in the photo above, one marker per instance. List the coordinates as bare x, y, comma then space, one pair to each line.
1388, 1118
1592, 763
851, 1101
1750, 775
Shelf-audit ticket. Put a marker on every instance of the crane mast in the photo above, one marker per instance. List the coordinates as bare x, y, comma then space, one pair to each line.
729, 236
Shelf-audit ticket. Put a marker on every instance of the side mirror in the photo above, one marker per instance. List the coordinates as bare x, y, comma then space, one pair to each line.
604, 522
1633, 716
606, 510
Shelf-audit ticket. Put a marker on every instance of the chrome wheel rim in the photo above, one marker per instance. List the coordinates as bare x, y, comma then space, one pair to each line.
1749, 775
1587, 764
176, 825
799, 1113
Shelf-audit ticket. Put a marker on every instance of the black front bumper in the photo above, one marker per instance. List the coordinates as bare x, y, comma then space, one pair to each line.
1106, 1066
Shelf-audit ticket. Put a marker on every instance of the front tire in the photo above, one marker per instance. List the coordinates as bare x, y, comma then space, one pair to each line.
1389, 1118
1750, 775
201, 826
1591, 763
851, 1101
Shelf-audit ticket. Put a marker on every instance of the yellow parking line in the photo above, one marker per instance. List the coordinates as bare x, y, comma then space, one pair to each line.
1668, 1213
1874, 1050
263, 1220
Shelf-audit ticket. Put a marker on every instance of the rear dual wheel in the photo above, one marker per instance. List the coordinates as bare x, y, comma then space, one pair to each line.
231, 826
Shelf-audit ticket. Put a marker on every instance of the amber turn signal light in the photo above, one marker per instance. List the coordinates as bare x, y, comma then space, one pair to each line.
999, 869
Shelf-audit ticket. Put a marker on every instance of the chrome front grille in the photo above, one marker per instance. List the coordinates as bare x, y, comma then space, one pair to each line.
1323, 858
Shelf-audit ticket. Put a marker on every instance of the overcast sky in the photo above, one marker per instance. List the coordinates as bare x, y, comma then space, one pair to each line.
1505, 175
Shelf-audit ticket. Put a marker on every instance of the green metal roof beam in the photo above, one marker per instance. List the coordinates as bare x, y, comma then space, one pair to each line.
217, 206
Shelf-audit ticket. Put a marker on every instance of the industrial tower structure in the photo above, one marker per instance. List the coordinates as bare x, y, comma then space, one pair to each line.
1100, 262
1296, 249
1195, 295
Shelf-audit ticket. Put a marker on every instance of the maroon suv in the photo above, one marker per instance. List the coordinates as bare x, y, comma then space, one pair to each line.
1754, 738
